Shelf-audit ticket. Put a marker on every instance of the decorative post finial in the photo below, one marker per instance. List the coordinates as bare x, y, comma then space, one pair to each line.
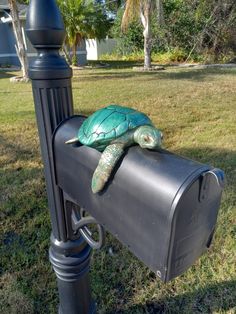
44, 25
45, 30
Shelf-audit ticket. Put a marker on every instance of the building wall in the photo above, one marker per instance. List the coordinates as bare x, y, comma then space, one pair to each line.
92, 49
7, 45
82, 54
95, 49
8, 55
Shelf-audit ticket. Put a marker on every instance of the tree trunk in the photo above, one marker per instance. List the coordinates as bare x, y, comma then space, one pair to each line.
74, 57
147, 47
20, 46
66, 53
146, 21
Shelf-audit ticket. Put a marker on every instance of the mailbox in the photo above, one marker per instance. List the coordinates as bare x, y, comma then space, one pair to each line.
163, 207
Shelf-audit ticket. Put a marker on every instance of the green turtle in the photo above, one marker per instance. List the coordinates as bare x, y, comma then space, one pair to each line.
112, 129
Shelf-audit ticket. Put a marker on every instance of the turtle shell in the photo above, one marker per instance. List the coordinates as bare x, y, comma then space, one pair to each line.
107, 124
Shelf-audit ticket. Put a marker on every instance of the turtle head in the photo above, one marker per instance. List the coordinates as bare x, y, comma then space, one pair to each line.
147, 136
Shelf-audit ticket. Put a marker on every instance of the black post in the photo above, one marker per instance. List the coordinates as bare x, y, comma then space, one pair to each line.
51, 83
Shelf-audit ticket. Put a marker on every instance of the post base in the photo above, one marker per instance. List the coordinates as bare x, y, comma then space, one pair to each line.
70, 261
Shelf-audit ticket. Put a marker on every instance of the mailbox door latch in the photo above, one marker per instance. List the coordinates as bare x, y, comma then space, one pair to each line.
215, 173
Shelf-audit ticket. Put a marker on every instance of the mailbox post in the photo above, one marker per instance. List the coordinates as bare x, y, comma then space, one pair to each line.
51, 84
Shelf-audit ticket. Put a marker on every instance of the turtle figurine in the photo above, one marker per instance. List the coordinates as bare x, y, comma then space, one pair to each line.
110, 130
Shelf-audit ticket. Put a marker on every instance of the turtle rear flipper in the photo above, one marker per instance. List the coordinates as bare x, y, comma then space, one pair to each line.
107, 162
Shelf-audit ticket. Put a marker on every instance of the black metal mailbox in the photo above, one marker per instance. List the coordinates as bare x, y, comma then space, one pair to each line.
163, 207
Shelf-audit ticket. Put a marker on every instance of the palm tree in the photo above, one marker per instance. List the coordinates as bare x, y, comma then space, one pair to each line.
82, 20
144, 10
20, 46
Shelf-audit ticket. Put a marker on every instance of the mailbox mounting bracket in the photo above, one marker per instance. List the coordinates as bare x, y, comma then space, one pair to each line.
80, 223
77, 221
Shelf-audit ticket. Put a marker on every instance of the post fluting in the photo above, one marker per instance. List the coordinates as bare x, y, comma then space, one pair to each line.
51, 84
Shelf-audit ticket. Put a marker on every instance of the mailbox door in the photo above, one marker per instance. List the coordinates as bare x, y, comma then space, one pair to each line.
194, 220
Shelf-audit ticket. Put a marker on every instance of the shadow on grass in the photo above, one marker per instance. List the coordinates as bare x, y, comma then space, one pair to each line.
114, 64
21, 187
180, 74
105, 76
215, 297
218, 158
194, 75
207, 154
17, 151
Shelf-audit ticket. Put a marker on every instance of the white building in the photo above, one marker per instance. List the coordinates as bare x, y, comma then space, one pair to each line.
95, 48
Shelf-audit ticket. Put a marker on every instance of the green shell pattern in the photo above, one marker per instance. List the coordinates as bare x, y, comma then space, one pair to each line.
107, 124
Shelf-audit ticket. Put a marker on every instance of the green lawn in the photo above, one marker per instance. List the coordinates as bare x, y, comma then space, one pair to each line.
196, 109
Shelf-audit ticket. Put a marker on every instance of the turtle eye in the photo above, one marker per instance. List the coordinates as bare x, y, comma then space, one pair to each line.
146, 139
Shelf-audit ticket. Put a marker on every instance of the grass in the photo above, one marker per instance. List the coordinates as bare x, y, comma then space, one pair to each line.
196, 110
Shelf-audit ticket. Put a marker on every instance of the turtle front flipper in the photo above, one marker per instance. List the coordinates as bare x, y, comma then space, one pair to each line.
107, 162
